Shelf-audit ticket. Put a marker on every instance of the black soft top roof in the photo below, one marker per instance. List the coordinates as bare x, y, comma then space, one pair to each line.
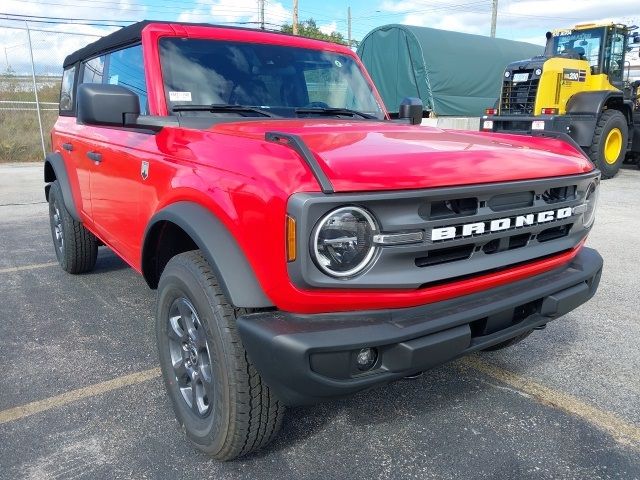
133, 33
119, 38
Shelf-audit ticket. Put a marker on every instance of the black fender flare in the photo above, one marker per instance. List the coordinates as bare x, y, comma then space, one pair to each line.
54, 169
219, 247
596, 102
585, 109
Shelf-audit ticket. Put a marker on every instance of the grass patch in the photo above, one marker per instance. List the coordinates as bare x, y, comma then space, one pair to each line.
19, 130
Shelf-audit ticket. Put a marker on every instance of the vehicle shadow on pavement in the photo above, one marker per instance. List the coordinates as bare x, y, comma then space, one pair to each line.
108, 262
425, 396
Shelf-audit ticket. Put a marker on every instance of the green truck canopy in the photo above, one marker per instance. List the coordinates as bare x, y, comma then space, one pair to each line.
454, 73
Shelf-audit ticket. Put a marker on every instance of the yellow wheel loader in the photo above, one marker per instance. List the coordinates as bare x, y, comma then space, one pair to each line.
577, 90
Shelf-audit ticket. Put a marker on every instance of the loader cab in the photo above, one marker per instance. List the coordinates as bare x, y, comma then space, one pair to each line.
603, 47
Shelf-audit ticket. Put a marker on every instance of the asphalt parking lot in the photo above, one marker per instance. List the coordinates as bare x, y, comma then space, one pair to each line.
80, 395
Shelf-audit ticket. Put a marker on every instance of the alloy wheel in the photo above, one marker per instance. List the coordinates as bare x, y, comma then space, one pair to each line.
190, 357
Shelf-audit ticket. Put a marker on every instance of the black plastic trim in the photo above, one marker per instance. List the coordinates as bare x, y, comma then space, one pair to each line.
236, 277
409, 340
591, 102
297, 144
56, 162
575, 129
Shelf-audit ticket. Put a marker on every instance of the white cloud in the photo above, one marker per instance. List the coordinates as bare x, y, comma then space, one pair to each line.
516, 19
236, 11
328, 28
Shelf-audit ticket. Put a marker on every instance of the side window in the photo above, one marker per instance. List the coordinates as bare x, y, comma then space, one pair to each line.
614, 57
66, 90
126, 68
93, 70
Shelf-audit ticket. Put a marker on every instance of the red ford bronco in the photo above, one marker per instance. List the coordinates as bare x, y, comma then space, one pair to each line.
303, 245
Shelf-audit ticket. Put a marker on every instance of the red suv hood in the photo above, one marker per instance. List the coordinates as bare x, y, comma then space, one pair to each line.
365, 156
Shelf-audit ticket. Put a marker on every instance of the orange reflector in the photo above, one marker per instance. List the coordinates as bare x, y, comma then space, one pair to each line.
291, 239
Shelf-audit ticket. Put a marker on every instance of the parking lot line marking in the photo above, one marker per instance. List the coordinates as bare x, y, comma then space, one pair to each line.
27, 267
38, 406
624, 432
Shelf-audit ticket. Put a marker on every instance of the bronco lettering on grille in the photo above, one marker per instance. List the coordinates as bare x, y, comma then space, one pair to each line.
499, 224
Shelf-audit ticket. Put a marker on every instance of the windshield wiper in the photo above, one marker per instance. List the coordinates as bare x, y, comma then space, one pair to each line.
222, 108
330, 111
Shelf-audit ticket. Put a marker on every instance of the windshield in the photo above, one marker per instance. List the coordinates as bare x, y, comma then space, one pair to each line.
586, 43
277, 79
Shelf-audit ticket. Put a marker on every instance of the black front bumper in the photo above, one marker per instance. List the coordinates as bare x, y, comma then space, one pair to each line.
575, 128
309, 358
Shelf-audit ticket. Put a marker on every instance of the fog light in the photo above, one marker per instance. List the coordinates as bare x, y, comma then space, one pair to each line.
366, 358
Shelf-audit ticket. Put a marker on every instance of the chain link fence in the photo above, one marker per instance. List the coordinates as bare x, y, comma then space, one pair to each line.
30, 74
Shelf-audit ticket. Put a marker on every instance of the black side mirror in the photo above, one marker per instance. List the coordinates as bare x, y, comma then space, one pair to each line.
411, 108
107, 105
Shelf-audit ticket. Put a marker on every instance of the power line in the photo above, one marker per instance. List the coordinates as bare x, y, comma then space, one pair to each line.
63, 18
51, 31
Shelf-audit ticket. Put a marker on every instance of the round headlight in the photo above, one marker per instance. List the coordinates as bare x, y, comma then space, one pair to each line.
507, 74
591, 200
538, 71
342, 241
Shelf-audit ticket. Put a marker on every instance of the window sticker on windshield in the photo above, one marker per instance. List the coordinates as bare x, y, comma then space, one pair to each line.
180, 96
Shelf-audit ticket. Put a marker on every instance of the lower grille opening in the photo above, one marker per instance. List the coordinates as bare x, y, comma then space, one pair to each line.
554, 233
491, 247
445, 255
490, 270
518, 241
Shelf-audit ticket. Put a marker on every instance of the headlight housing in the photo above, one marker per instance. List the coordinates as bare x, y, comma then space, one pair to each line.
591, 201
342, 241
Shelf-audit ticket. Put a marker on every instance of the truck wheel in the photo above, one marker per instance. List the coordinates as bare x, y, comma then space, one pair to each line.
76, 247
508, 343
219, 399
609, 145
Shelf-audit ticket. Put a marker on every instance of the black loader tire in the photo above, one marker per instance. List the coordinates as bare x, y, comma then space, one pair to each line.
235, 412
76, 247
609, 120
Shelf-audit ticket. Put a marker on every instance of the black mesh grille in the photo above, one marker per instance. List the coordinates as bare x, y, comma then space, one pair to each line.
519, 98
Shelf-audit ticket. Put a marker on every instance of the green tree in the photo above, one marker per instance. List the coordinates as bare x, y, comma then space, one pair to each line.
309, 28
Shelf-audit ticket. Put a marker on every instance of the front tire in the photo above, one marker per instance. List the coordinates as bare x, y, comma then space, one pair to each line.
609, 145
76, 247
219, 399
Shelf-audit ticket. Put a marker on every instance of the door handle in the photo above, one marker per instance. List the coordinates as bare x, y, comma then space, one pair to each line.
67, 146
95, 156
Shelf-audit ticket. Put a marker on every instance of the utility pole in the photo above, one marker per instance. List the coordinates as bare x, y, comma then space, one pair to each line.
295, 17
261, 16
494, 17
349, 26
35, 89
